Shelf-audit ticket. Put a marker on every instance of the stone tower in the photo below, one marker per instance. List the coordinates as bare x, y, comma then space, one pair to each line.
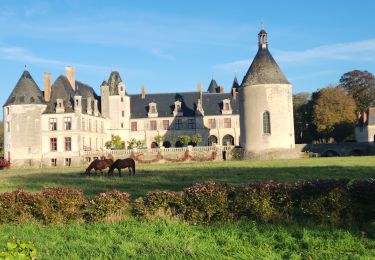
116, 106
22, 122
265, 102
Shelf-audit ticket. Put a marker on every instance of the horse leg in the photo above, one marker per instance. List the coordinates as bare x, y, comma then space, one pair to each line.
130, 172
133, 169
119, 172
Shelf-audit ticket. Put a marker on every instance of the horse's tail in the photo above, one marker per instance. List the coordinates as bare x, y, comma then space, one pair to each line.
133, 167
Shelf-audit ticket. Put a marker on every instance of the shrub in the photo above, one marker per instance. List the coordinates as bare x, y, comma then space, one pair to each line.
160, 204
326, 201
264, 201
19, 250
207, 202
107, 206
362, 194
17, 206
60, 205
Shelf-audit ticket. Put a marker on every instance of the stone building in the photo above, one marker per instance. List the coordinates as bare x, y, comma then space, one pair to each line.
365, 128
54, 127
266, 106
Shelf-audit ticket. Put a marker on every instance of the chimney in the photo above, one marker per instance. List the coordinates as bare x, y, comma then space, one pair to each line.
70, 74
143, 92
221, 89
96, 110
47, 86
89, 106
234, 93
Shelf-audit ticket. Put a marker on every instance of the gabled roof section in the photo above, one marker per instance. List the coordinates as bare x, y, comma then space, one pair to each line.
26, 91
212, 87
212, 104
113, 81
61, 89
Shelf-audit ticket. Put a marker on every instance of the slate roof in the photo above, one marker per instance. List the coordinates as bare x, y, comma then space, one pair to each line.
26, 91
212, 87
212, 103
264, 70
113, 81
61, 89
235, 83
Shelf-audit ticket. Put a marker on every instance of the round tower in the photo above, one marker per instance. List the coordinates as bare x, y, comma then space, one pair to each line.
265, 100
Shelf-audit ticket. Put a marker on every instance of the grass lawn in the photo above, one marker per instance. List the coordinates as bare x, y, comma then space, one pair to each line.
178, 240
172, 240
177, 176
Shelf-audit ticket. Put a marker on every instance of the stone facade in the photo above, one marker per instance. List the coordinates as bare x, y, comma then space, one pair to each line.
68, 122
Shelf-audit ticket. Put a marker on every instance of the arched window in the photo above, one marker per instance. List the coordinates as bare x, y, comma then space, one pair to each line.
212, 140
266, 123
228, 140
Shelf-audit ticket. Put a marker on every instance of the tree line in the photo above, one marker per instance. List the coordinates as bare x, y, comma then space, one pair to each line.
330, 114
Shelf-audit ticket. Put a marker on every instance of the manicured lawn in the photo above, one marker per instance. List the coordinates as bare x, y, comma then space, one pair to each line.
172, 240
180, 175
177, 240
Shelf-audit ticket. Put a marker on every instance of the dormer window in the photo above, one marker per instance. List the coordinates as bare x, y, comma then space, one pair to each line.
227, 108
177, 108
60, 106
152, 110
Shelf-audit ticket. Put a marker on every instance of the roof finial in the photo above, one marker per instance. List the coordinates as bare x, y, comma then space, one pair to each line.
213, 75
262, 25
26, 69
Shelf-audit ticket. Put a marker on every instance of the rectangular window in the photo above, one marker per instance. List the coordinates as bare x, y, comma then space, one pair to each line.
165, 124
90, 125
211, 123
83, 124
7, 110
68, 162
134, 126
8, 126
122, 113
178, 124
153, 125
227, 123
53, 144
122, 99
152, 110
122, 125
191, 123
53, 162
68, 143
67, 123
52, 124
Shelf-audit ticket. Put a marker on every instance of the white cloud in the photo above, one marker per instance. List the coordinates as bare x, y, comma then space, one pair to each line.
360, 51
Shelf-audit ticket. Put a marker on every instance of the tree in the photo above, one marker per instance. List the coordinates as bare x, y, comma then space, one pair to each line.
196, 139
185, 139
115, 142
303, 109
361, 85
158, 139
334, 113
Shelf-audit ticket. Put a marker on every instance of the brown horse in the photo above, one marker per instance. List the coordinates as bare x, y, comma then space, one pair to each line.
99, 165
122, 163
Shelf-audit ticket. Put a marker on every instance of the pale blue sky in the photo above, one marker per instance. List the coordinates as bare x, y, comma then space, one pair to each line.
173, 45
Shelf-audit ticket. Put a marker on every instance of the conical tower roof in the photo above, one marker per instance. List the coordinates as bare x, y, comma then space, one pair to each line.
26, 91
113, 81
212, 87
235, 83
264, 69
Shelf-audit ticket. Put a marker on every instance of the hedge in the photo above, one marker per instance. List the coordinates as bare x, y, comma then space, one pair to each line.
338, 202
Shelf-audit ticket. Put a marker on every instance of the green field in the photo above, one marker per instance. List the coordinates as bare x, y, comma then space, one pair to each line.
180, 175
177, 240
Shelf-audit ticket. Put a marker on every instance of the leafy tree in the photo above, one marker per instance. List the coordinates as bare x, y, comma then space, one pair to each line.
185, 139
303, 109
334, 113
158, 139
196, 139
115, 142
361, 85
